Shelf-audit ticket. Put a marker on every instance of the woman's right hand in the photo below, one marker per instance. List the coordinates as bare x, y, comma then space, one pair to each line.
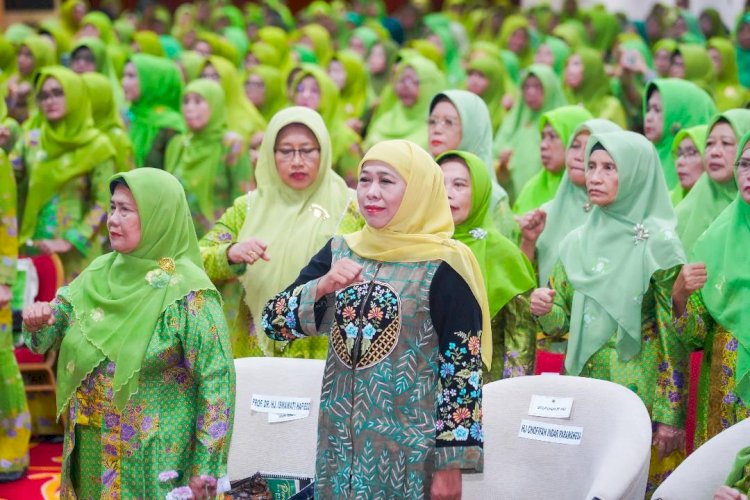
692, 277
532, 224
343, 273
542, 300
38, 315
248, 252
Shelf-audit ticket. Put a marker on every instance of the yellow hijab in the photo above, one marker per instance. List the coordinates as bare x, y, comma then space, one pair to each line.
422, 228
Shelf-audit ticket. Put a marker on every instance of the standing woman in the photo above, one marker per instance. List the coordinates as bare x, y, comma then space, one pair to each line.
210, 167
669, 105
296, 185
15, 424
711, 313
688, 149
404, 306
717, 188
146, 377
65, 168
506, 271
611, 289
107, 118
153, 85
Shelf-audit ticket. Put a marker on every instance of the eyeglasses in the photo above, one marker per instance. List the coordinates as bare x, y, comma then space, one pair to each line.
688, 152
411, 82
447, 123
743, 165
53, 94
307, 154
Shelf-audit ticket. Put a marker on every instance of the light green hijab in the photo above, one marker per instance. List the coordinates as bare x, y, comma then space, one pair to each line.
623, 243
684, 105
520, 131
709, 198
198, 154
595, 91
560, 53
103, 25
310, 216
699, 68
118, 299
505, 269
158, 105
275, 95
510, 25
569, 208
69, 148
107, 118
697, 136
542, 187
494, 70
728, 92
723, 248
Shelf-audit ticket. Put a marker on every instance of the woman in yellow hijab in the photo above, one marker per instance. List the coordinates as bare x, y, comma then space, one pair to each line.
404, 307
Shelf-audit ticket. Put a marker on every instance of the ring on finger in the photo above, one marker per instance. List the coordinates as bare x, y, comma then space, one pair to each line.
253, 255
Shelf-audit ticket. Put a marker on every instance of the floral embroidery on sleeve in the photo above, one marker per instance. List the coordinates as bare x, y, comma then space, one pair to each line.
281, 315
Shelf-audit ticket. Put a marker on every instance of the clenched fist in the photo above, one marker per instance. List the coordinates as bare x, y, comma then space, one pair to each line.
38, 315
343, 273
542, 300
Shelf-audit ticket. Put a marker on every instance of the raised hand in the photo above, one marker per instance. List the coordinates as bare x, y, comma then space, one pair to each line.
343, 273
542, 300
248, 251
38, 315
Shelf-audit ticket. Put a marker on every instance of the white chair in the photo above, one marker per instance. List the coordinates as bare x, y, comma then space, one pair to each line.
611, 461
280, 448
700, 475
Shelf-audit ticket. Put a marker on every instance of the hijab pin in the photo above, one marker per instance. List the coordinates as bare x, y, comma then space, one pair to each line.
587, 207
478, 233
641, 233
319, 212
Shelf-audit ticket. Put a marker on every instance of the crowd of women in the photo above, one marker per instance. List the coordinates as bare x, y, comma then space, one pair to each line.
423, 199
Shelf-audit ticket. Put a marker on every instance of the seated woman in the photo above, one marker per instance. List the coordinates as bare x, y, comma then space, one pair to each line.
207, 160
728, 92
486, 78
153, 85
555, 127
507, 273
688, 149
711, 313
264, 87
404, 307
146, 380
459, 120
611, 289
64, 168
267, 236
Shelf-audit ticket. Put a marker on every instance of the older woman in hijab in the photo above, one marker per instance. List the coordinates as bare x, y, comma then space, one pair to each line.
146, 379
711, 313
404, 306
688, 149
296, 184
611, 289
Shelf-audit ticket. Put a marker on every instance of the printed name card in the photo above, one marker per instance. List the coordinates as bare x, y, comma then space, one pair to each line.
281, 408
550, 407
550, 433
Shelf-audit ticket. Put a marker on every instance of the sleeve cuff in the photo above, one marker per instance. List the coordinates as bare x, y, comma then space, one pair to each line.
310, 322
466, 458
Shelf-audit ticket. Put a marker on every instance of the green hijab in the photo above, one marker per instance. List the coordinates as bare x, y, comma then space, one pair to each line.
684, 105
594, 87
44, 55
158, 105
728, 92
739, 476
569, 208
242, 116
605, 27
666, 44
354, 94
510, 25
520, 131
440, 25
743, 56
118, 299
723, 248
98, 50
103, 106
198, 155
697, 136
321, 42
275, 97
494, 71
69, 148
278, 39
311, 217
148, 43
265, 53
505, 269
694, 35
623, 243
708, 198
560, 53
573, 32
393, 119
542, 187
367, 36
192, 64
103, 25
699, 68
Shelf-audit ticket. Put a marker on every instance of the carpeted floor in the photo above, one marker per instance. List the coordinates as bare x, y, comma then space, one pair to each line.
42, 480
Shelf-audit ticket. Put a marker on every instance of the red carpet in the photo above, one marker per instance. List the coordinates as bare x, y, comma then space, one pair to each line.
42, 480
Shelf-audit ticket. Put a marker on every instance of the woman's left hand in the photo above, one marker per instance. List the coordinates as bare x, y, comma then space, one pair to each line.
446, 485
203, 487
667, 439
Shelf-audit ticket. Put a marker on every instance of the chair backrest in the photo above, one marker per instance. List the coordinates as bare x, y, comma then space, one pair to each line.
610, 462
279, 448
707, 467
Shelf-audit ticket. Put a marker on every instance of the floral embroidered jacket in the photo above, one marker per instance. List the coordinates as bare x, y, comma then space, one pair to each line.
412, 403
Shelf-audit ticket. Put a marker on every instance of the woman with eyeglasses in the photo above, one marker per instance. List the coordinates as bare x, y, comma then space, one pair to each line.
711, 297
716, 188
267, 236
688, 149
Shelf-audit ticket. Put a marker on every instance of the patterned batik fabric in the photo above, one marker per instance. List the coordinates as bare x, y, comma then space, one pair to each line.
413, 403
657, 374
719, 406
179, 420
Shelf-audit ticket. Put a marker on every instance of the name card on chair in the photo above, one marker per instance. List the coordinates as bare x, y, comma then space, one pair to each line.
550, 433
281, 408
550, 407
